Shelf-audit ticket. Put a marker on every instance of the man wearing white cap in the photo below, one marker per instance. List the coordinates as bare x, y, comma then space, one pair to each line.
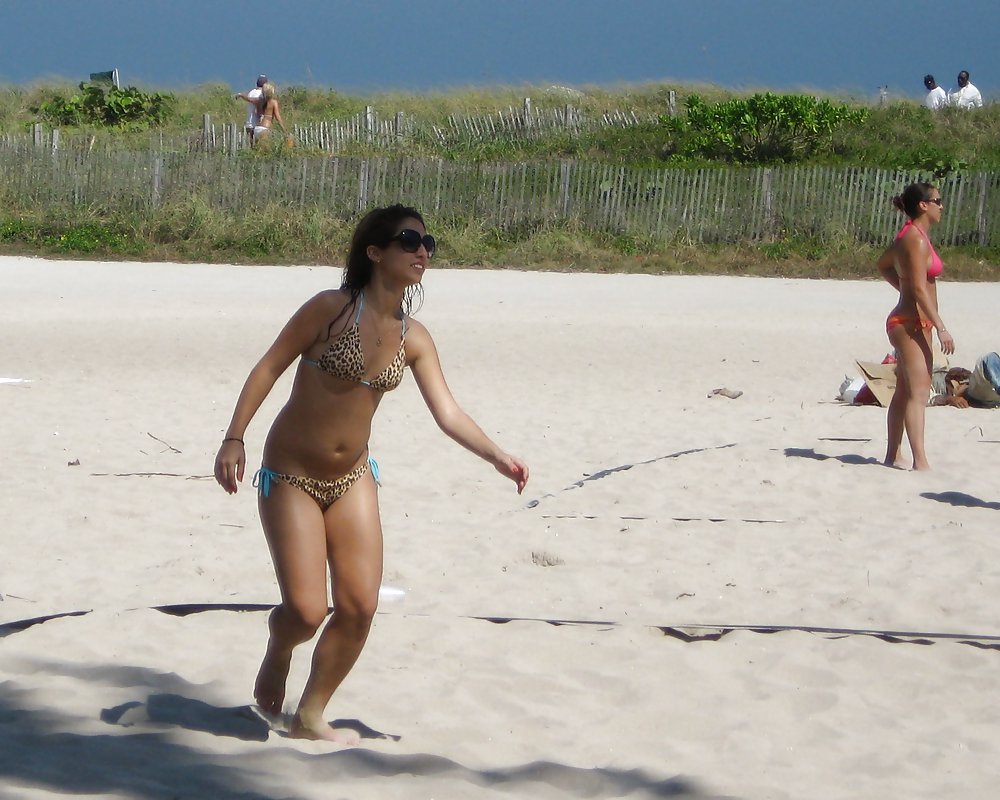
253, 97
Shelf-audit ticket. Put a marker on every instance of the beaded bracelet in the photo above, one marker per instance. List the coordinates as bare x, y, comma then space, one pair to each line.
233, 439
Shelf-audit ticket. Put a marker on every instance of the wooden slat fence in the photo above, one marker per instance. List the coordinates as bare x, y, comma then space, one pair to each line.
701, 205
367, 127
530, 123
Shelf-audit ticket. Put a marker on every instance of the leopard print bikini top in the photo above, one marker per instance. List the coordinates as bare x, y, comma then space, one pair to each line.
345, 359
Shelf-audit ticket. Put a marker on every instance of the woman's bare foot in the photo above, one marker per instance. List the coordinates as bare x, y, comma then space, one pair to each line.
321, 731
269, 688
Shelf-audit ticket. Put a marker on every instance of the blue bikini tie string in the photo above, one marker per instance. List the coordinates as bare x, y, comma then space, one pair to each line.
262, 480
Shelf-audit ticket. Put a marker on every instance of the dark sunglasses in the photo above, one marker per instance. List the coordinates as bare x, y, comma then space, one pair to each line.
936, 201
410, 241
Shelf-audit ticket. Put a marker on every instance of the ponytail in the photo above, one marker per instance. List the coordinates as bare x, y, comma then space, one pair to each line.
913, 195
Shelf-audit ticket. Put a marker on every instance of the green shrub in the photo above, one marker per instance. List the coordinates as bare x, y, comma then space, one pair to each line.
16, 230
88, 237
115, 107
761, 129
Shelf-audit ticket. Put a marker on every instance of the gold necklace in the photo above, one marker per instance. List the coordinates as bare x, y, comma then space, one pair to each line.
378, 336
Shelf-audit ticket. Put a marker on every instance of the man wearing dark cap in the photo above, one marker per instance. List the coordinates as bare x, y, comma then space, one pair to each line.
936, 96
253, 97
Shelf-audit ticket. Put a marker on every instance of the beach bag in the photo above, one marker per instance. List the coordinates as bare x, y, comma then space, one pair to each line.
984, 382
865, 397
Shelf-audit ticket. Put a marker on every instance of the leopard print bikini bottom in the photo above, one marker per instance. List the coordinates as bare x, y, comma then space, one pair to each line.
324, 492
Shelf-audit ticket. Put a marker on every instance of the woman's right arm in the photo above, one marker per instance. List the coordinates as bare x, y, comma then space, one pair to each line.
296, 337
887, 266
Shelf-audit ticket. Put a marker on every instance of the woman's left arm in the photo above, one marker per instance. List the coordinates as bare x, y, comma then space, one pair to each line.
278, 117
426, 367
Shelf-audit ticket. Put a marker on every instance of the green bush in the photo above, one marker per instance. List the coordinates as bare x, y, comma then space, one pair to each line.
121, 108
88, 237
16, 230
761, 129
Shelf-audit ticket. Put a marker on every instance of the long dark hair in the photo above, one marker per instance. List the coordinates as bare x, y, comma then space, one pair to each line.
377, 227
913, 195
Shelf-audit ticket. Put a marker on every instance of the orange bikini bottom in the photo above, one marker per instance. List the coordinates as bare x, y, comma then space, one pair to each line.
901, 319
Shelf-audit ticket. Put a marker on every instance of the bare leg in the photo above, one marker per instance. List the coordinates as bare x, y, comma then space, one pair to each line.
894, 421
354, 546
294, 528
914, 365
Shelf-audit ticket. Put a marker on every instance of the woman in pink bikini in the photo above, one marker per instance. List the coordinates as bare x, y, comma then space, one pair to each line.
912, 266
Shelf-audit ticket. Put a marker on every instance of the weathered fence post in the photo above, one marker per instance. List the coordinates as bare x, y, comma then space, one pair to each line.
233, 137
206, 126
767, 196
397, 125
37, 134
981, 223
672, 103
527, 112
54, 153
564, 170
437, 190
363, 185
370, 122
157, 180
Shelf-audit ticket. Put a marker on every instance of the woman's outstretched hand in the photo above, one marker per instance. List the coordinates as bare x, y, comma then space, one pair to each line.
511, 467
229, 465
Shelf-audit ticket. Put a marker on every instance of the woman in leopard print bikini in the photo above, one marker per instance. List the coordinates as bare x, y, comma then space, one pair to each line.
317, 491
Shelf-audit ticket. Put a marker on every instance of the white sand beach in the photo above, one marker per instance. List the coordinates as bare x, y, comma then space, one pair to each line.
695, 597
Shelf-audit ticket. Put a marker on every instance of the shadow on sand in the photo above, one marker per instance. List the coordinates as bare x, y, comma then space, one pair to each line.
142, 757
604, 473
848, 458
960, 499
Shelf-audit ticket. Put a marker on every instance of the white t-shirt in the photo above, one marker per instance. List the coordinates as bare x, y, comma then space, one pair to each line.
253, 114
936, 98
966, 97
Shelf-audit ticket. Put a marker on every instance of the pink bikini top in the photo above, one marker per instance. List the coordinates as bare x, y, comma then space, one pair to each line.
936, 267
